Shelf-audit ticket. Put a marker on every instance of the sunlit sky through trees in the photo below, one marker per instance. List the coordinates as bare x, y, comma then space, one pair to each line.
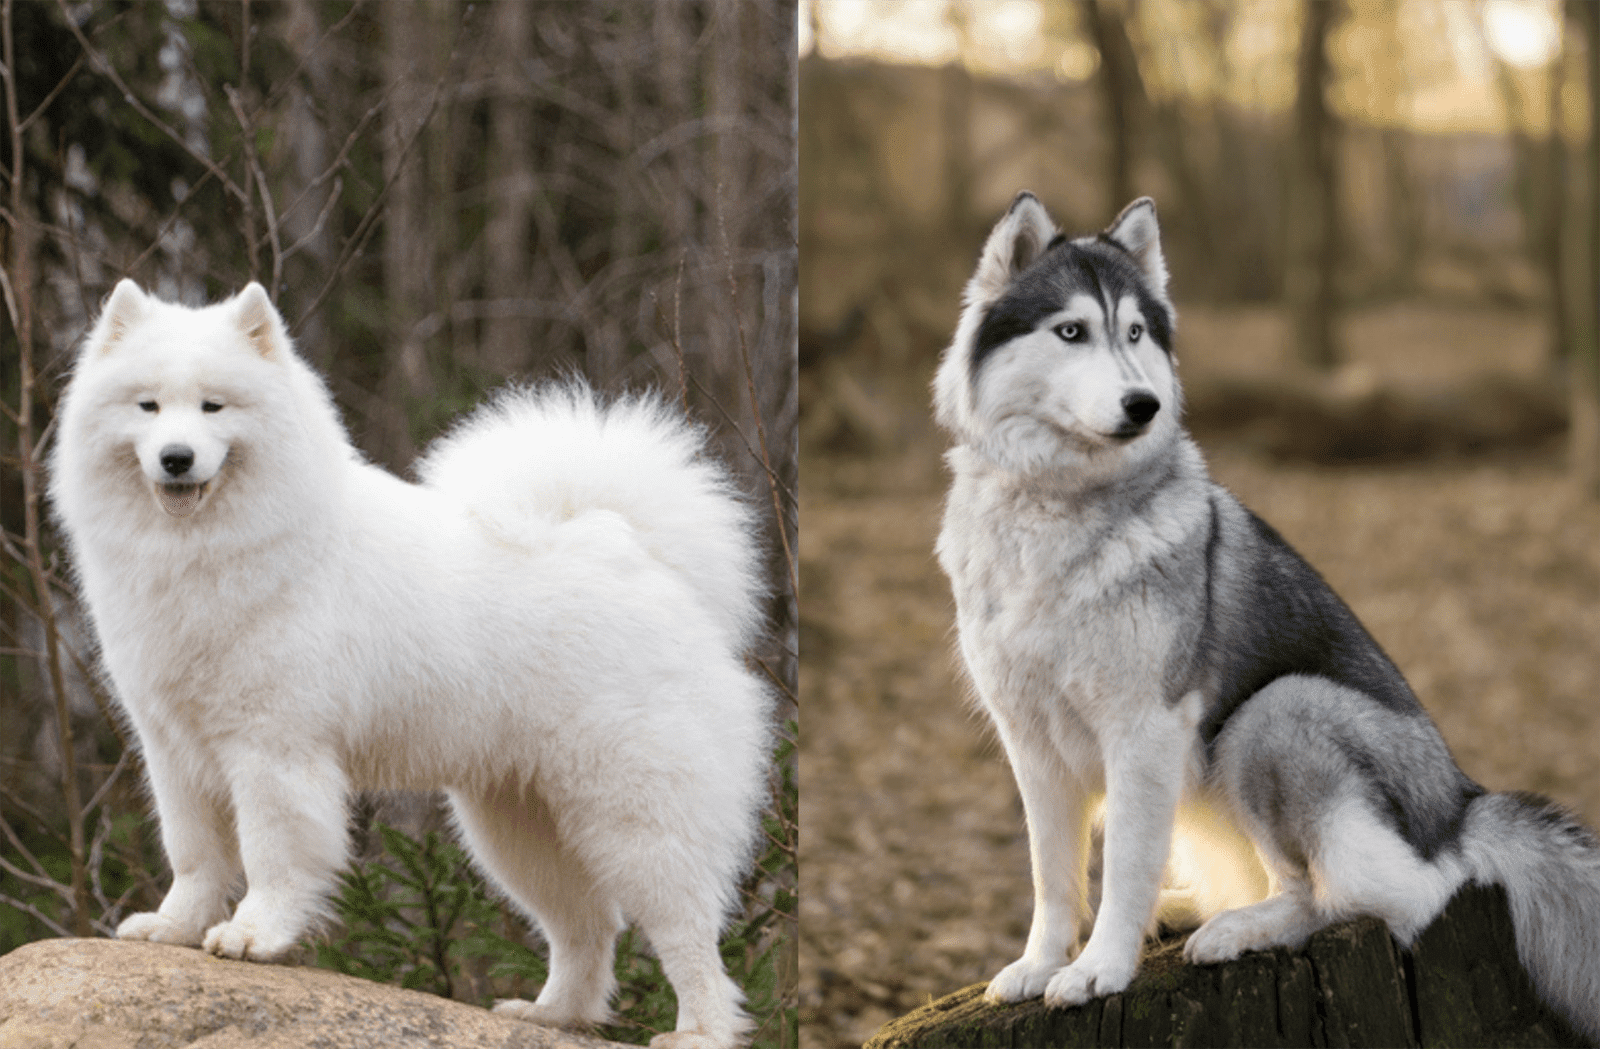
1430, 65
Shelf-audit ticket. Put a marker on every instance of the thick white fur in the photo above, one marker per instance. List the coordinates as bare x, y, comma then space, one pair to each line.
549, 627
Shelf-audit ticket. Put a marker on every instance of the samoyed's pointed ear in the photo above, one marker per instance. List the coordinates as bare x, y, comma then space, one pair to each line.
1137, 232
124, 308
1016, 241
259, 321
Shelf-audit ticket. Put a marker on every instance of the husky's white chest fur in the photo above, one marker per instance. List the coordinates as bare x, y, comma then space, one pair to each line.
1055, 594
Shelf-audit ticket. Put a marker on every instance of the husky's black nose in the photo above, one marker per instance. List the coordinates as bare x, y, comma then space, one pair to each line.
177, 458
1140, 406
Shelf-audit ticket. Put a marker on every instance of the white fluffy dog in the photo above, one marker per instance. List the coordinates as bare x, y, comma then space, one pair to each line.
549, 627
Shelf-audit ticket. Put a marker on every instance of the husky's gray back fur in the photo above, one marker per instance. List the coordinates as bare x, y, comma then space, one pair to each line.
1111, 599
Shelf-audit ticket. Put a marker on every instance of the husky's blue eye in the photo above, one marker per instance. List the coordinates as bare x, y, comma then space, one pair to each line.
210, 406
1072, 331
149, 406
1134, 331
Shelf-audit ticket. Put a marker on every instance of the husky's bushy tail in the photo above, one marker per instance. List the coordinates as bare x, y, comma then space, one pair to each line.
1549, 863
556, 451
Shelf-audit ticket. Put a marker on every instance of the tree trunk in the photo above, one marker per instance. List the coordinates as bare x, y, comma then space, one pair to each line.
1118, 82
506, 346
1312, 222
1459, 984
408, 272
1584, 438
307, 134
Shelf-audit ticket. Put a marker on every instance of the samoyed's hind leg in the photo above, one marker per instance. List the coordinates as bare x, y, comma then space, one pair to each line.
677, 891
708, 1001
513, 837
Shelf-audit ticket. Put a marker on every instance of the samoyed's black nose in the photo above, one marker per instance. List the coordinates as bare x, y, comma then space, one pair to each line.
177, 458
1140, 406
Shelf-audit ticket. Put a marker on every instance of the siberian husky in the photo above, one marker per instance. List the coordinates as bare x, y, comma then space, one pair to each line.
1131, 628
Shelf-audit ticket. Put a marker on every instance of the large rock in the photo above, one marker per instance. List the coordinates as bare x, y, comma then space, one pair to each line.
1351, 985
106, 994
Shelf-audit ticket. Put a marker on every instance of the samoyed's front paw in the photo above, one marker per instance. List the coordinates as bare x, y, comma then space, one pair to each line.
158, 928
690, 1040
534, 1013
1024, 978
1087, 978
248, 941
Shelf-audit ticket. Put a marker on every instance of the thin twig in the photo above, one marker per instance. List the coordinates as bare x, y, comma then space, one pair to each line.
5, 286
20, 260
105, 68
253, 164
322, 217
677, 331
755, 405
28, 908
61, 85
42, 877
28, 810
776, 680
111, 778
369, 220
177, 213
283, 83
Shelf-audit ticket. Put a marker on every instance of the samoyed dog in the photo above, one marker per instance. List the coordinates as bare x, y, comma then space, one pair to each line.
549, 626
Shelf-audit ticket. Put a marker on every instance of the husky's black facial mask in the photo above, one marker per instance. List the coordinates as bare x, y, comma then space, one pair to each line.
1064, 350
1100, 266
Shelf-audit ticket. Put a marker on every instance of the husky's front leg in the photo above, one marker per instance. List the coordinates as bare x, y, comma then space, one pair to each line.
1145, 770
290, 809
1056, 805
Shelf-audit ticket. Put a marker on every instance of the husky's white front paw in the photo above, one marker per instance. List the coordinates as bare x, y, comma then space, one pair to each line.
1226, 936
158, 928
1087, 978
1024, 978
248, 941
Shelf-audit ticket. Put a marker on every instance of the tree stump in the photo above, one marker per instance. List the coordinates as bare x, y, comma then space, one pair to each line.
1351, 985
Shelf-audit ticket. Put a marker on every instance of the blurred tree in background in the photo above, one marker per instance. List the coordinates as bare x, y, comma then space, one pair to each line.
439, 197
1320, 156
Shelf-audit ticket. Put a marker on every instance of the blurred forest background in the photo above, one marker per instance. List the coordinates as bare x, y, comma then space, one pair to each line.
439, 196
1380, 217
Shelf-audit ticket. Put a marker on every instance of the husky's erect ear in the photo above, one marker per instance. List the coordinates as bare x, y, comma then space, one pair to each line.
123, 309
259, 321
1017, 240
1137, 232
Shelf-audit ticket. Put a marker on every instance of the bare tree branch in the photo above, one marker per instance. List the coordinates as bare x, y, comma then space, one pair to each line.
105, 68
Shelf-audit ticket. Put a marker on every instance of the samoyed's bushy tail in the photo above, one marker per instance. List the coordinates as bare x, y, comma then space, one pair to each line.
1549, 863
558, 450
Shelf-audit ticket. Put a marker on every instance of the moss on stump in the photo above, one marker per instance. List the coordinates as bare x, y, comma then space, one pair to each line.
1351, 985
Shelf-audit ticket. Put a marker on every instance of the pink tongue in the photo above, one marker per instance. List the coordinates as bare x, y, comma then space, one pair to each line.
179, 500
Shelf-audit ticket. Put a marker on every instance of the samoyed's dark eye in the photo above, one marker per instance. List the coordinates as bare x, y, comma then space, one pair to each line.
149, 406
1072, 331
211, 406
1134, 331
